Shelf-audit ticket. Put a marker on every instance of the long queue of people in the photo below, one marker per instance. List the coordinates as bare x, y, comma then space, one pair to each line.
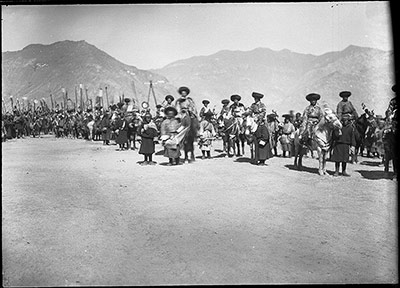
126, 124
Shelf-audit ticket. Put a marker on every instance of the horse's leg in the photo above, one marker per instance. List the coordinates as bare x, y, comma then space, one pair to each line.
320, 161
324, 156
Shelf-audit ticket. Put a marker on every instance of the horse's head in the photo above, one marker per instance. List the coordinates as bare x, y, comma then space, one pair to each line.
331, 119
250, 125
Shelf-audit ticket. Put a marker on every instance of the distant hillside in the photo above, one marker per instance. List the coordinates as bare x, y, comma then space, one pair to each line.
285, 77
38, 70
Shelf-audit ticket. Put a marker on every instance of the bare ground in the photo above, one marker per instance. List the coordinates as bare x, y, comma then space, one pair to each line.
79, 213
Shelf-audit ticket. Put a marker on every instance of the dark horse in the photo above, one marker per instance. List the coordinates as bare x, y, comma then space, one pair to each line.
192, 124
361, 125
232, 134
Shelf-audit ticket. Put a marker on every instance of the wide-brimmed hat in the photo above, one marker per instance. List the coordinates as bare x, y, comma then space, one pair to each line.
257, 95
313, 96
170, 108
272, 115
127, 100
158, 106
288, 116
345, 94
225, 101
169, 97
235, 97
394, 88
205, 101
183, 88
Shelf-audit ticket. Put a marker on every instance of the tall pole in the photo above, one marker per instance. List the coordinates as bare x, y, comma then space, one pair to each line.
80, 93
52, 103
76, 99
108, 103
12, 103
87, 98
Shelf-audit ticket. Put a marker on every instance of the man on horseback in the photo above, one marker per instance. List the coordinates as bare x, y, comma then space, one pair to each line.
205, 109
258, 109
169, 99
225, 108
311, 116
187, 114
345, 107
185, 104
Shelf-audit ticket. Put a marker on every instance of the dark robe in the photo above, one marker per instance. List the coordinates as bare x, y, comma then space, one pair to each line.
147, 145
262, 152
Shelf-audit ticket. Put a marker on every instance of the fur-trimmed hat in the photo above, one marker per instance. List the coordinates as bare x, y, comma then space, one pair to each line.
235, 96
158, 106
345, 94
169, 97
183, 88
225, 101
313, 96
127, 100
205, 101
170, 108
257, 95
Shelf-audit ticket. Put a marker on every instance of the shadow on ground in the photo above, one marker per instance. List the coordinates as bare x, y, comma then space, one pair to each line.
307, 169
375, 175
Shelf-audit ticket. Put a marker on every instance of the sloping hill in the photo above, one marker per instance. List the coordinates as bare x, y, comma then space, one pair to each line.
285, 77
38, 70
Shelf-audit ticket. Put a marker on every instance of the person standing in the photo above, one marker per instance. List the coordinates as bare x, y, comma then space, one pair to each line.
343, 144
345, 107
147, 132
273, 128
121, 125
262, 144
207, 133
169, 129
105, 126
287, 130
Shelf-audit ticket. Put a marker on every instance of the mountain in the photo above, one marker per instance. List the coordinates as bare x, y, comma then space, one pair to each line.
286, 77
38, 70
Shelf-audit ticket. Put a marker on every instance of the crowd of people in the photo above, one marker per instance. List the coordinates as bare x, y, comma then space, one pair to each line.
127, 124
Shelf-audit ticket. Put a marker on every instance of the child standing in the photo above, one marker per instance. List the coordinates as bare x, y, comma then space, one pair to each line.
148, 130
342, 144
168, 131
207, 132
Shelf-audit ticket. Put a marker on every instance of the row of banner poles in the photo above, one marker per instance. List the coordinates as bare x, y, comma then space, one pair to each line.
68, 104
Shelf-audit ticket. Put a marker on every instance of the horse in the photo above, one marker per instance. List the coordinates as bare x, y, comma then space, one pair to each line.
361, 125
320, 140
192, 126
250, 127
233, 135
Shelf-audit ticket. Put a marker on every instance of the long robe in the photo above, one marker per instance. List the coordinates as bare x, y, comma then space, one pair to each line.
262, 152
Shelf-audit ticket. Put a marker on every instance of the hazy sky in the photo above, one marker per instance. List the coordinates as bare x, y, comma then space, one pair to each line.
151, 36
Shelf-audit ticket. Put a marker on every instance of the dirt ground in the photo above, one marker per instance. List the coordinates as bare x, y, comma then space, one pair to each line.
79, 213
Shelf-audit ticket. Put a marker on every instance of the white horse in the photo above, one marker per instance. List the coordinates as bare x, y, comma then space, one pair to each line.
321, 140
250, 127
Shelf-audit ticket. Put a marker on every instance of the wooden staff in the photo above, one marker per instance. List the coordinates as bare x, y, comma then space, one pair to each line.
87, 98
63, 95
3, 106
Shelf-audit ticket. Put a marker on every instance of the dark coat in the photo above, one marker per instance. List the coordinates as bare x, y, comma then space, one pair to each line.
342, 143
262, 152
147, 145
105, 127
122, 126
